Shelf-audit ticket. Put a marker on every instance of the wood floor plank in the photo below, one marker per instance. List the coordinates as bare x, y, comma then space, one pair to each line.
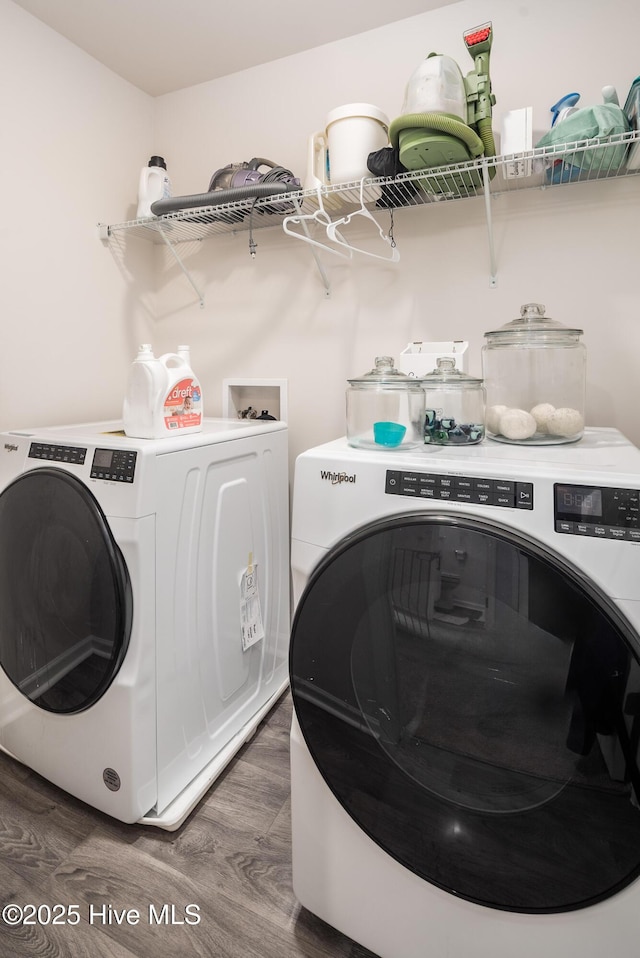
102, 872
269, 750
247, 799
231, 858
49, 932
39, 825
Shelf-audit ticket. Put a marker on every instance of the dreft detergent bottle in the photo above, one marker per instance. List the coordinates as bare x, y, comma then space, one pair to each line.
163, 396
181, 410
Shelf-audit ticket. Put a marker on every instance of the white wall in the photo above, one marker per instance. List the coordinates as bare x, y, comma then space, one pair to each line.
571, 248
76, 137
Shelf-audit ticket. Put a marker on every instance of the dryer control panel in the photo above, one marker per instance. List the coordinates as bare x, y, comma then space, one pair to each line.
599, 511
480, 490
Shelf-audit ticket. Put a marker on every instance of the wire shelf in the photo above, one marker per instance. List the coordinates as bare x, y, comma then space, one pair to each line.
585, 160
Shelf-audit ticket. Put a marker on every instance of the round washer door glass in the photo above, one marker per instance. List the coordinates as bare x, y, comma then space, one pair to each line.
475, 708
65, 596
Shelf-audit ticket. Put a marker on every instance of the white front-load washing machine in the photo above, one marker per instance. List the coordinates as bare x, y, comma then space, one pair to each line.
144, 607
465, 675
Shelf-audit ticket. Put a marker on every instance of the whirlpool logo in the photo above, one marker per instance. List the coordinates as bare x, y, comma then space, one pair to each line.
336, 478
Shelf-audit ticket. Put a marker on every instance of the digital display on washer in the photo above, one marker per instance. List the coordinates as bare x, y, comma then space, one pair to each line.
115, 465
601, 511
579, 501
103, 458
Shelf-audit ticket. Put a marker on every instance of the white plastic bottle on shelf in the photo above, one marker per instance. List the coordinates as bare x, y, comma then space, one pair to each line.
154, 185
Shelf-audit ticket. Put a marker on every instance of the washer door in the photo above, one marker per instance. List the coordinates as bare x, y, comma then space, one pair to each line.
474, 705
65, 595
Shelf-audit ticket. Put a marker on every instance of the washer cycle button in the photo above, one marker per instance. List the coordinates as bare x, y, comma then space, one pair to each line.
563, 526
524, 495
392, 485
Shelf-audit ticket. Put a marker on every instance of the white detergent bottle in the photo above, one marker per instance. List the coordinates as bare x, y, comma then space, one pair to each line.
147, 381
180, 408
154, 185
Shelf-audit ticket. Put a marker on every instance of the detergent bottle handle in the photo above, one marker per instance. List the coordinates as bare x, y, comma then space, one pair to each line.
171, 360
317, 161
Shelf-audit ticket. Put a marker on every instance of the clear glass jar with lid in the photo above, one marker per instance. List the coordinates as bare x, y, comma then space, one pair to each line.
454, 405
534, 370
385, 408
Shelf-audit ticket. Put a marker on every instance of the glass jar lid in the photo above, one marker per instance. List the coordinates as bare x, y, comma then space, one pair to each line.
446, 374
532, 324
384, 373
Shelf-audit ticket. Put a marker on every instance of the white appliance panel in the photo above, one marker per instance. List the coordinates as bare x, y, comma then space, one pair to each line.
346, 874
184, 698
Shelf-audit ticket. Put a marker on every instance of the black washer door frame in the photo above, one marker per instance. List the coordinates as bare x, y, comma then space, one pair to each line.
474, 754
65, 594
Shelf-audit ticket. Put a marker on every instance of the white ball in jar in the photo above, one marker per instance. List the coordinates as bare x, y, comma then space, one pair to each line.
541, 414
565, 422
517, 424
492, 417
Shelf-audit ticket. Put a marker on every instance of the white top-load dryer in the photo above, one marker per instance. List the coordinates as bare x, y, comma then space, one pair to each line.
144, 606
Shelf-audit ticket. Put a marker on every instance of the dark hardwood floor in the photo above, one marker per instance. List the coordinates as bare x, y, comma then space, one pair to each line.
231, 859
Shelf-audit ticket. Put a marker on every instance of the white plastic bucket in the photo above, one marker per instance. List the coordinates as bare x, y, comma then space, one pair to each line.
338, 154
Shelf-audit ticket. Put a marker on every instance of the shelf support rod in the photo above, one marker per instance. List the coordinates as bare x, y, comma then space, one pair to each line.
487, 206
305, 229
186, 272
321, 269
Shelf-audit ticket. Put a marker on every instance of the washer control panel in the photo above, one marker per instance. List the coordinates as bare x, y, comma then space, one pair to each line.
114, 465
483, 491
75, 455
600, 511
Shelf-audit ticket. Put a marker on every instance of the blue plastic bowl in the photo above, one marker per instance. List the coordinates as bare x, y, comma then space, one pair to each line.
389, 434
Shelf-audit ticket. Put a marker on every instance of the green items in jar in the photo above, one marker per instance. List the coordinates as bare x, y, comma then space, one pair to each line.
454, 407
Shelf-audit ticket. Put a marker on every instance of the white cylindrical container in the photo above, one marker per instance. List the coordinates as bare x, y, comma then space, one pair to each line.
338, 154
354, 131
154, 185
